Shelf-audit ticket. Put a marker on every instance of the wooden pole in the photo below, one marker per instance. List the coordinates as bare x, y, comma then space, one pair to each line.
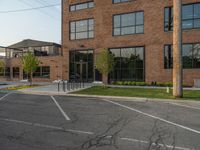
177, 50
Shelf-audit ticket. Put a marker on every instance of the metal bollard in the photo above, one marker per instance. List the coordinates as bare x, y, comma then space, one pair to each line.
59, 86
64, 88
67, 86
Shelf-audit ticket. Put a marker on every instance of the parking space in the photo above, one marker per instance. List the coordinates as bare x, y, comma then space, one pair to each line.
76, 123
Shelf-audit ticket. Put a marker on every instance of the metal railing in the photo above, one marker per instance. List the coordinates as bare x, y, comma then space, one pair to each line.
70, 85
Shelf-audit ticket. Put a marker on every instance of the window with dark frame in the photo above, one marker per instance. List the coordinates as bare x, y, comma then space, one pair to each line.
120, 1
76, 7
126, 24
190, 56
5, 72
190, 17
83, 29
129, 64
42, 72
85, 57
16, 72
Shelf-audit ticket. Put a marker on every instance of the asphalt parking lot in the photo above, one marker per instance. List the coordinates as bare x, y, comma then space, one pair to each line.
36, 122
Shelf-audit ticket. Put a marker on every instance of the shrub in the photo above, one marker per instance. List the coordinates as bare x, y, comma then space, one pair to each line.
141, 84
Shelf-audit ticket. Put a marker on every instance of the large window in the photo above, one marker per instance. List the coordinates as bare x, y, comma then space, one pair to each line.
125, 24
190, 55
120, 1
5, 72
81, 6
129, 64
190, 17
83, 29
42, 72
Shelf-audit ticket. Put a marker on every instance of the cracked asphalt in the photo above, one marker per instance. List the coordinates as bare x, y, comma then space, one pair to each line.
35, 122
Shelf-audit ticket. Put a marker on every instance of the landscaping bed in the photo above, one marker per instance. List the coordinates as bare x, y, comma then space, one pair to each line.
20, 87
134, 83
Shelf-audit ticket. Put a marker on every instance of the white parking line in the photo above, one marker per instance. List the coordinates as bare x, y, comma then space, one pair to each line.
151, 116
60, 108
2, 98
162, 145
183, 105
83, 132
46, 126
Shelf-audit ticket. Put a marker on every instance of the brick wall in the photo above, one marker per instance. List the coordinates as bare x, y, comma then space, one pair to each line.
55, 63
154, 37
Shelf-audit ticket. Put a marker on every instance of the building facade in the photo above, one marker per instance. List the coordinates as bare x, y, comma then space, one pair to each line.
49, 56
137, 32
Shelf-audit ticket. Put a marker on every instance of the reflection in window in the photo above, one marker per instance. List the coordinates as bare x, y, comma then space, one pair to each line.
190, 55
5, 72
129, 64
81, 65
83, 29
190, 17
42, 72
125, 24
120, 1
81, 6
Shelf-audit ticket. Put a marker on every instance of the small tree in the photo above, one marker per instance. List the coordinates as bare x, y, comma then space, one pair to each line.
105, 62
2, 66
30, 64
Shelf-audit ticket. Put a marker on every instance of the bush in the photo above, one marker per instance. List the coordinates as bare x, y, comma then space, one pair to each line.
134, 83
140, 84
130, 83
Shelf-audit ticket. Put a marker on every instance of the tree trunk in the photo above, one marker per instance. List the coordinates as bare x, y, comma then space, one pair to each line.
31, 78
177, 50
105, 79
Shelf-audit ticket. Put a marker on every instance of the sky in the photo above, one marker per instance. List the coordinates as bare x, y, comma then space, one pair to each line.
41, 24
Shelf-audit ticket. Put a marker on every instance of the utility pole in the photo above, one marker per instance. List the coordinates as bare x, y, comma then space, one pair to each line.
177, 50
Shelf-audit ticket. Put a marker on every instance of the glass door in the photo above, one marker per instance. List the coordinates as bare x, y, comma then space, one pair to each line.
81, 71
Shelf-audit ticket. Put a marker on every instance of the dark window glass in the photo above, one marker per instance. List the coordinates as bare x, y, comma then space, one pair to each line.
129, 64
196, 56
187, 51
83, 29
125, 24
190, 55
168, 57
42, 72
81, 65
190, 17
5, 72
15, 72
82, 6
120, 1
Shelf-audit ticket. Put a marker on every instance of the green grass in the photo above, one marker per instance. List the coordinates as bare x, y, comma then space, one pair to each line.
137, 92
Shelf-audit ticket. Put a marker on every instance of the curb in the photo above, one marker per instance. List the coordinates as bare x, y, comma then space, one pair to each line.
133, 98
121, 98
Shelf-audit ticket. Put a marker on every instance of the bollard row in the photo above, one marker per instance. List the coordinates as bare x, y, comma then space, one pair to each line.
70, 85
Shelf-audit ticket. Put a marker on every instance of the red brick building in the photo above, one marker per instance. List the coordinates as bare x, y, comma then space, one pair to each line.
49, 55
137, 32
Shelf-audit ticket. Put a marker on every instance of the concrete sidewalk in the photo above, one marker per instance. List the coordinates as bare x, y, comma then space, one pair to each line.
51, 89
